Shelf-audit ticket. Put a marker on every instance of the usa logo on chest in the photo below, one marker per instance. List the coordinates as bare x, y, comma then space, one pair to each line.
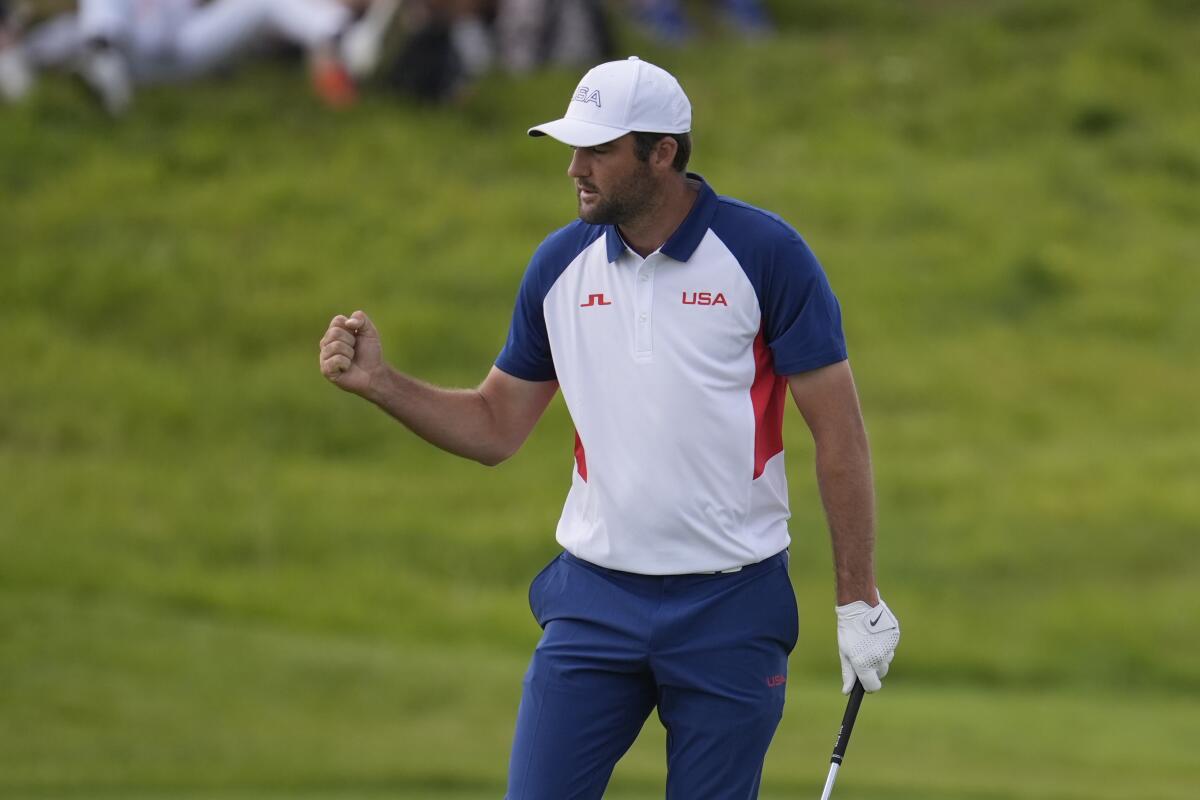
704, 299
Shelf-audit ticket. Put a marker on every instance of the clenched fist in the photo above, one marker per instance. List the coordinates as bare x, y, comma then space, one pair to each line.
350, 352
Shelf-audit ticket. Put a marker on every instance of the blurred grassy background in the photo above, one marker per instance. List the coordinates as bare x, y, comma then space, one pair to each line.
221, 578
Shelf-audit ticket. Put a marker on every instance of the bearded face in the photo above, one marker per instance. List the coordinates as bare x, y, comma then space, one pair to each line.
613, 186
619, 199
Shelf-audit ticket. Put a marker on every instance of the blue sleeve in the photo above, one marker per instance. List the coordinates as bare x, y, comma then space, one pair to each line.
526, 353
802, 320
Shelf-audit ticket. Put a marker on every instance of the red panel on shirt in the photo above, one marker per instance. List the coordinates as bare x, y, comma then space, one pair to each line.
767, 393
580, 457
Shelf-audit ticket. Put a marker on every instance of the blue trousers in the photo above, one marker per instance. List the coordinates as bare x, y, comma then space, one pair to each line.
709, 651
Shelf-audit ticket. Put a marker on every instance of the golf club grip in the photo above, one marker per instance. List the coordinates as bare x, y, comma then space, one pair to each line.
843, 739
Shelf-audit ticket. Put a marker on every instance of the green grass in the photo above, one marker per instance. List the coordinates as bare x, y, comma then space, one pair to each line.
221, 578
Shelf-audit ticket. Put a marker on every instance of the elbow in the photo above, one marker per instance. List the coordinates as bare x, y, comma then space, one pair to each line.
494, 456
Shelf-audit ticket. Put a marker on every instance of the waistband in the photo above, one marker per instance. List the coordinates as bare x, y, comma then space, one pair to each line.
780, 558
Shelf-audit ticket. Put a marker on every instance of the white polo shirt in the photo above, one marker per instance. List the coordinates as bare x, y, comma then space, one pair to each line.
672, 368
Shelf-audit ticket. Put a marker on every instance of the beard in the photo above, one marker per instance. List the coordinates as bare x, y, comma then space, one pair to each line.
625, 202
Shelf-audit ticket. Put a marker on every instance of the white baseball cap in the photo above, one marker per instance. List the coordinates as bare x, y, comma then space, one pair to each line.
617, 97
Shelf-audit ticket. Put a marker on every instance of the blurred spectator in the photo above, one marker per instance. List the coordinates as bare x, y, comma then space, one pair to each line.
452, 42
427, 67
448, 44
362, 43
532, 33
116, 44
15, 75
666, 20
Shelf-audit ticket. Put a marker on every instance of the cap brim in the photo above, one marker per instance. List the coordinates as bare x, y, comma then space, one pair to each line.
577, 132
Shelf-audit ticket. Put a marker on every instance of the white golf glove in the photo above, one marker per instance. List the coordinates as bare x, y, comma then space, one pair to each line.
867, 638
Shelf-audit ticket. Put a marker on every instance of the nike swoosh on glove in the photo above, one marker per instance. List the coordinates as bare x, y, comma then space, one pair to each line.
867, 638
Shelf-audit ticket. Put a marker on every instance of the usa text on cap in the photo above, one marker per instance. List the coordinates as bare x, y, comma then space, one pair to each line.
618, 97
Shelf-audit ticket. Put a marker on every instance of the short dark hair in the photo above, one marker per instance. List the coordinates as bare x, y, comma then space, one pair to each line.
643, 143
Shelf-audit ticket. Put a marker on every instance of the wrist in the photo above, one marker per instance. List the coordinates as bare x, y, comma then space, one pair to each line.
377, 381
868, 595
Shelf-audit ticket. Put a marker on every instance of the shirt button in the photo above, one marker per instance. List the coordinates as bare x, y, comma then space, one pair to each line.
645, 277
642, 317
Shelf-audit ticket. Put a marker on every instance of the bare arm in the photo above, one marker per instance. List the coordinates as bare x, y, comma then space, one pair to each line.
487, 424
829, 403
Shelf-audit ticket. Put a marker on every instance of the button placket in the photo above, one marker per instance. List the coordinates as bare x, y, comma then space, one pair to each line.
643, 322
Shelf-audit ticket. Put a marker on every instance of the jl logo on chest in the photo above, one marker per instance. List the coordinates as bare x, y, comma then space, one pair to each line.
596, 300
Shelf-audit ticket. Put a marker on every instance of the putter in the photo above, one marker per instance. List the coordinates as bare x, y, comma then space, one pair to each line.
843, 738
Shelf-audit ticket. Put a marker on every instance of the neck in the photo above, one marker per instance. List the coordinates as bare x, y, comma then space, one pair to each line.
651, 230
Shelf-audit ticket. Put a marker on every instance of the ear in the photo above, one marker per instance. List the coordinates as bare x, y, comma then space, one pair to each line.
663, 155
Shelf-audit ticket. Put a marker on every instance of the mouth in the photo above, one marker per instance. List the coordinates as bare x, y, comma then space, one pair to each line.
586, 193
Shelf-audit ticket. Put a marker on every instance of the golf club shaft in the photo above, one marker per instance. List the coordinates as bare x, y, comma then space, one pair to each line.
843, 739
833, 768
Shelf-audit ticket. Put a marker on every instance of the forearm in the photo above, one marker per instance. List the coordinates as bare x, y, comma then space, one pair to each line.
847, 492
459, 421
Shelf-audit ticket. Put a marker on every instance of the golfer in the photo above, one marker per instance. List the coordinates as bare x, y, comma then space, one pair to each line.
674, 321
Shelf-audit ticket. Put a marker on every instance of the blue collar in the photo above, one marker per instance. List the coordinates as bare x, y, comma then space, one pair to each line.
686, 238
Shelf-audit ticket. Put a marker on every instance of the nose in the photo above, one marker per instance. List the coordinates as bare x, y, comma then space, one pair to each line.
578, 167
